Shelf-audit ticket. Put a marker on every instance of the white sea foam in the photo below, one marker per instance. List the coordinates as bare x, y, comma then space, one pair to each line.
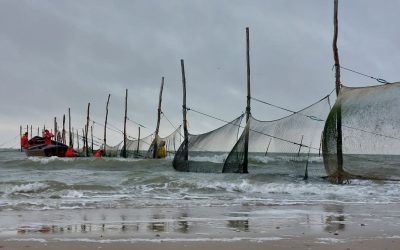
46, 160
214, 158
120, 159
26, 188
283, 158
73, 194
329, 240
27, 239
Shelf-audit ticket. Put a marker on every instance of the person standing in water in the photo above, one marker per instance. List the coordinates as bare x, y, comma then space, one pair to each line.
24, 141
47, 137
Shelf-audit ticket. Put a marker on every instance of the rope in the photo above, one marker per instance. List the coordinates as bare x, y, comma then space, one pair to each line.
373, 133
362, 74
112, 129
179, 132
8, 141
163, 114
272, 136
296, 112
140, 125
201, 113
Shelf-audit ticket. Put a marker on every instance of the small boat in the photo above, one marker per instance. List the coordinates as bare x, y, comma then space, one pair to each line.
39, 148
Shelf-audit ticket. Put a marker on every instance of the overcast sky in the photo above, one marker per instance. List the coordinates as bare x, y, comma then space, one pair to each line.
61, 54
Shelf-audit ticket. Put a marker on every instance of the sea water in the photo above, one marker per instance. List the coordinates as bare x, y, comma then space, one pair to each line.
65, 192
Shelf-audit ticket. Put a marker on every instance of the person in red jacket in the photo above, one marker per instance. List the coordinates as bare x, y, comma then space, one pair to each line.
24, 141
71, 152
99, 153
47, 137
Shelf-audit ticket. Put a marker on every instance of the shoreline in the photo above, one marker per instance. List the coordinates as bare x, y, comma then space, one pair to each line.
331, 226
301, 243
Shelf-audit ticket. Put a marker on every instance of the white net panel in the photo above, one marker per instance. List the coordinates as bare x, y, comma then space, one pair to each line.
294, 136
207, 152
370, 132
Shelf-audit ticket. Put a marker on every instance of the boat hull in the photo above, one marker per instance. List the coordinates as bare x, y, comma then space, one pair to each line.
39, 148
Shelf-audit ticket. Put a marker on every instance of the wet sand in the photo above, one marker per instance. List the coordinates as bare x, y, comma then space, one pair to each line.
300, 244
330, 226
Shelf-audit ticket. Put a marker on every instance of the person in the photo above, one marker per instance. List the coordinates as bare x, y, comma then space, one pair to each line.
99, 153
47, 137
25, 141
162, 150
71, 152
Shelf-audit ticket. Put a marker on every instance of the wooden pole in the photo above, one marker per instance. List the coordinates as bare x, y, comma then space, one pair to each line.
105, 125
31, 132
83, 140
63, 130
246, 138
71, 143
335, 48
91, 133
38, 129
158, 120
185, 130
77, 138
339, 148
301, 144
138, 143
55, 128
125, 118
20, 135
269, 143
87, 131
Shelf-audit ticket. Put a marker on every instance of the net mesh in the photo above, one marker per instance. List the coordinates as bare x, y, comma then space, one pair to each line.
137, 148
370, 132
207, 152
292, 139
169, 144
112, 151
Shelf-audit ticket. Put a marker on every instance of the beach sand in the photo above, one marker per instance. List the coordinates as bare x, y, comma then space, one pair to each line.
300, 244
331, 226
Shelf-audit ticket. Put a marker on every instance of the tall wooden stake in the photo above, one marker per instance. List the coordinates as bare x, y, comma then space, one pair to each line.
20, 135
55, 128
138, 143
246, 138
77, 138
335, 48
185, 130
31, 132
87, 130
125, 118
158, 120
91, 133
71, 143
105, 125
63, 131
339, 148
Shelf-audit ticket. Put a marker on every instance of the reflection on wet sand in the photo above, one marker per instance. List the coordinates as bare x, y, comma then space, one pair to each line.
157, 226
181, 223
239, 225
183, 227
334, 222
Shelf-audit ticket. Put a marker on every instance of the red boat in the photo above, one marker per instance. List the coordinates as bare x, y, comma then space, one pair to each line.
39, 148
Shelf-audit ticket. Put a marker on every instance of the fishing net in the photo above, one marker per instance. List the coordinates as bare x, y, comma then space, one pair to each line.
112, 151
138, 147
370, 133
207, 152
165, 146
292, 139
